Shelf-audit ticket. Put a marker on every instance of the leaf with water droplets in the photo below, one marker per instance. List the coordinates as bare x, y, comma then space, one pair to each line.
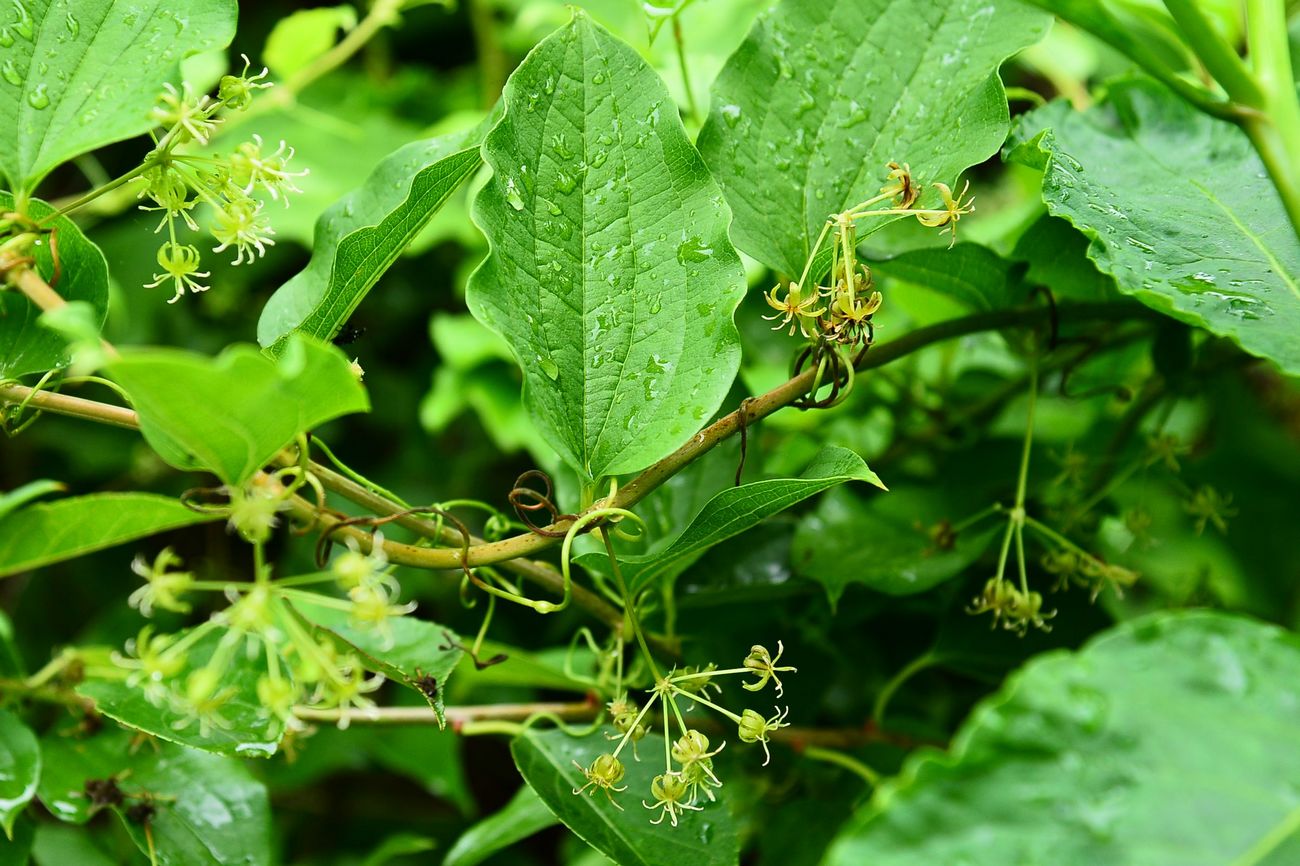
360, 236
824, 93
79, 74
26, 345
1166, 741
20, 767
546, 761
607, 235
208, 810
1179, 209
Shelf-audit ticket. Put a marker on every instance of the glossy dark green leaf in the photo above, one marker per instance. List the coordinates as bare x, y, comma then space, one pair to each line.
1057, 257
192, 416
16, 850
626, 836
54, 531
885, 543
610, 273
1166, 741
736, 509
824, 93
20, 768
970, 274
78, 74
82, 275
56, 844
523, 816
1180, 212
399, 845
208, 809
244, 728
358, 238
411, 650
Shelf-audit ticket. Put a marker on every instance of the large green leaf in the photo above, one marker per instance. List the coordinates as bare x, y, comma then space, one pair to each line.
50, 532
626, 836
78, 74
242, 726
884, 543
232, 413
208, 810
17, 850
523, 816
358, 238
1180, 211
824, 93
1168, 741
738, 508
970, 274
20, 768
610, 274
409, 652
26, 346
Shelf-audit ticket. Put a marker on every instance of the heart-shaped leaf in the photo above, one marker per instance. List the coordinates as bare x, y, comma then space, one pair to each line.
824, 93
610, 272
1166, 741
1179, 209
80, 275
78, 74
193, 417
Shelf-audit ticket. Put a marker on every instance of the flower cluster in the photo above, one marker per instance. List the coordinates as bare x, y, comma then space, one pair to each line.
840, 311
198, 673
1014, 608
176, 181
689, 776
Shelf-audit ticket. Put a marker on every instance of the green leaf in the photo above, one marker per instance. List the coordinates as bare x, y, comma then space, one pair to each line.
546, 758
359, 237
15, 851
79, 74
51, 532
883, 543
970, 274
244, 728
20, 496
56, 844
25, 346
411, 650
397, 846
1166, 741
299, 38
610, 272
231, 414
20, 768
824, 93
1057, 258
208, 809
738, 508
1180, 212
523, 816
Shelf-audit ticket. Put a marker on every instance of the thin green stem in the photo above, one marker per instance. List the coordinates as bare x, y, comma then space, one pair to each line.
629, 604
1275, 130
627, 735
101, 190
1022, 481
700, 699
926, 660
1220, 58
682, 65
853, 765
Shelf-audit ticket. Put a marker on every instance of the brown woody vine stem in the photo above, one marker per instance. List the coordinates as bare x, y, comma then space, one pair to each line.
506, 550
